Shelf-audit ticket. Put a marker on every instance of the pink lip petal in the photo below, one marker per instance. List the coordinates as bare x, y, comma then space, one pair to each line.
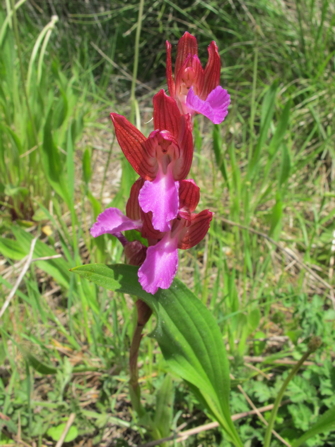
215, 107
113, 221
161, 197
160, 265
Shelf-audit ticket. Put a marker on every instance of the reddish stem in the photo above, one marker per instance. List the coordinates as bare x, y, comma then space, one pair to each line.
143, 314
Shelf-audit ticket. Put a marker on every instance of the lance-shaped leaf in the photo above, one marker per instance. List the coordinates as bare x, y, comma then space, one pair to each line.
186, 332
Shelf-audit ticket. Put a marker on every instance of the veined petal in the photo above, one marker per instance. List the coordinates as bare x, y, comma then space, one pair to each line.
196, 231
148, 230
131, 141
212, 71
112, 221
161, 197
183, 164
160, 265
215, 107
133, 209
191, 74
189, 195
187, 46
166, 113
135, 253
167, 116
169, 75
134, 212
163, 147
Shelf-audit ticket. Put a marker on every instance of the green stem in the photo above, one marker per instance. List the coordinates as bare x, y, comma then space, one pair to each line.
136, 56
312, 346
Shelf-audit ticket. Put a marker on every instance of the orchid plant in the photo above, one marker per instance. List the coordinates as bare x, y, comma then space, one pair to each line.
162, 209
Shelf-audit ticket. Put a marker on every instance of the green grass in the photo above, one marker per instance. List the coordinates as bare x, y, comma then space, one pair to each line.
269, 167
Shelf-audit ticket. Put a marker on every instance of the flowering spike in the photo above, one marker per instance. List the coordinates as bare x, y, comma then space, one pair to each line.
162, 202
195, 88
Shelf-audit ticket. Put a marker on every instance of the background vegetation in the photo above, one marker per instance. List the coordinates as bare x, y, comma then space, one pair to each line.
265, 269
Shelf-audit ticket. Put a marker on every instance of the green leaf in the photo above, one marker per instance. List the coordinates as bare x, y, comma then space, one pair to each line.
57, 268
280, 130
268, 106
300, 390
254, 317
96, 205
38, 366
325, 423
87, 170
301, 415
164, 409
259, 346
332, 377
52, 162
60, 110
186, 332
263, 392
16, 191
70, 165
285, 168
276, 216
11, 249
10, 425
4, 440
56, 432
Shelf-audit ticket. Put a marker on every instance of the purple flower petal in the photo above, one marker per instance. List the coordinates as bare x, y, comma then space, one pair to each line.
161, 197
160, 265
215, 107
113, 221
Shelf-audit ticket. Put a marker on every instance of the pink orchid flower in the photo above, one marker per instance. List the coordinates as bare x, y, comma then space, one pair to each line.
195, 89
159, 262
162, 159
